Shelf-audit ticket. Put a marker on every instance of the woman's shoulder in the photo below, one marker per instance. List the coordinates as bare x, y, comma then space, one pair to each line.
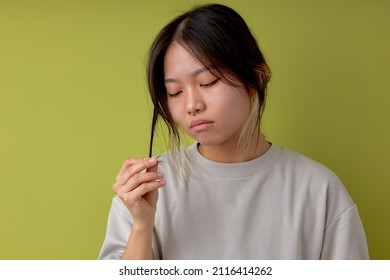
304, 165
318, 178
315, 175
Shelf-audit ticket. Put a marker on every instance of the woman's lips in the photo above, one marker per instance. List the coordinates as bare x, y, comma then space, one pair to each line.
199, 125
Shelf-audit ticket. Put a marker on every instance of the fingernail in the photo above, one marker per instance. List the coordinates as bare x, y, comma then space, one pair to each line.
151, 160
160, 175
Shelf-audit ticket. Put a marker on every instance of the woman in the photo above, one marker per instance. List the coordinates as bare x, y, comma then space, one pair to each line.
232, 194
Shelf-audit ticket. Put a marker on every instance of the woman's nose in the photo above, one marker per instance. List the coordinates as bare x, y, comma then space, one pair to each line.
195, 103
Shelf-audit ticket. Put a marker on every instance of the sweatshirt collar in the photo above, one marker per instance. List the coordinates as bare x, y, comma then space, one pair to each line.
233, 170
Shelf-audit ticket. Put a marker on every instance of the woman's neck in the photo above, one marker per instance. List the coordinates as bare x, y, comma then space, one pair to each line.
228, 153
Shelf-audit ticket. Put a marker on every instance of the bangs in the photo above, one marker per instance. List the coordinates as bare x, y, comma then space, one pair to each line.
211, 61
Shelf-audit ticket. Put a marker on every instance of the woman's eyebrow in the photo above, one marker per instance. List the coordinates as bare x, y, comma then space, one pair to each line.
199, 71
193, 74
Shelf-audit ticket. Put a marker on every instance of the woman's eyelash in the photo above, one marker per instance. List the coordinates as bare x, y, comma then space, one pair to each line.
174, 94
210, 84
202, 85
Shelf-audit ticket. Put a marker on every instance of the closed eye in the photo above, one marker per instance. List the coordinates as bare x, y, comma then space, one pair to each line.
210, 84
174, 94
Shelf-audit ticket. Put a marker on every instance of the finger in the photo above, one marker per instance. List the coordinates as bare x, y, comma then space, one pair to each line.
128, 162
153, 168
133, 170
141, 178
143, 189
136, 168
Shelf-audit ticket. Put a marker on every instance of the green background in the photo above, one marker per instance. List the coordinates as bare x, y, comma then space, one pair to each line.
74, 105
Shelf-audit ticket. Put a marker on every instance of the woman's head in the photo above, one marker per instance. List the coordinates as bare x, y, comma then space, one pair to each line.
220, 40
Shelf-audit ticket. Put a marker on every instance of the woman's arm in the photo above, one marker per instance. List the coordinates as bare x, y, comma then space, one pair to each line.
138, 191
139, 246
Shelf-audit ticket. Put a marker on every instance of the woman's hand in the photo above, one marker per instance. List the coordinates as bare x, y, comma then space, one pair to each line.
138, 190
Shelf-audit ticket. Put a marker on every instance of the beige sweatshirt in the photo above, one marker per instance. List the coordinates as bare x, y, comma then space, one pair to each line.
281, 205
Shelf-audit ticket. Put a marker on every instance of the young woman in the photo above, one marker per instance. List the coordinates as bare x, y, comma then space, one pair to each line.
232, 194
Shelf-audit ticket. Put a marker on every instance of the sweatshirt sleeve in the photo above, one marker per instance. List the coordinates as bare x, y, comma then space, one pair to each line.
345, 238
118, 231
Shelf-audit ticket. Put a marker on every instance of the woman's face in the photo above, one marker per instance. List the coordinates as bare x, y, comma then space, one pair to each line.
210, 110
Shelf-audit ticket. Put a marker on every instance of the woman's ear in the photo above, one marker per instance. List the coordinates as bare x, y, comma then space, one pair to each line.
252, 94
264, 73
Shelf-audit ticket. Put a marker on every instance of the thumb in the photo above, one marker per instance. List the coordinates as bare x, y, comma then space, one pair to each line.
153, 168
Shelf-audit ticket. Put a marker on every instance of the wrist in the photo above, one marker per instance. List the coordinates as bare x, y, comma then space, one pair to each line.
143, 226
139, 246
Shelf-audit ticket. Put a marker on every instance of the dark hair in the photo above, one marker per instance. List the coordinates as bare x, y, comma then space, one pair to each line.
220, 39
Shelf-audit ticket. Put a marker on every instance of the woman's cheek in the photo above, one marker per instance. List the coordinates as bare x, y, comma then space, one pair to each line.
174, 110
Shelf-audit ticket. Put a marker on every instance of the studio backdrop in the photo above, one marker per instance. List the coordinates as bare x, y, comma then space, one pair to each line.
74, 104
